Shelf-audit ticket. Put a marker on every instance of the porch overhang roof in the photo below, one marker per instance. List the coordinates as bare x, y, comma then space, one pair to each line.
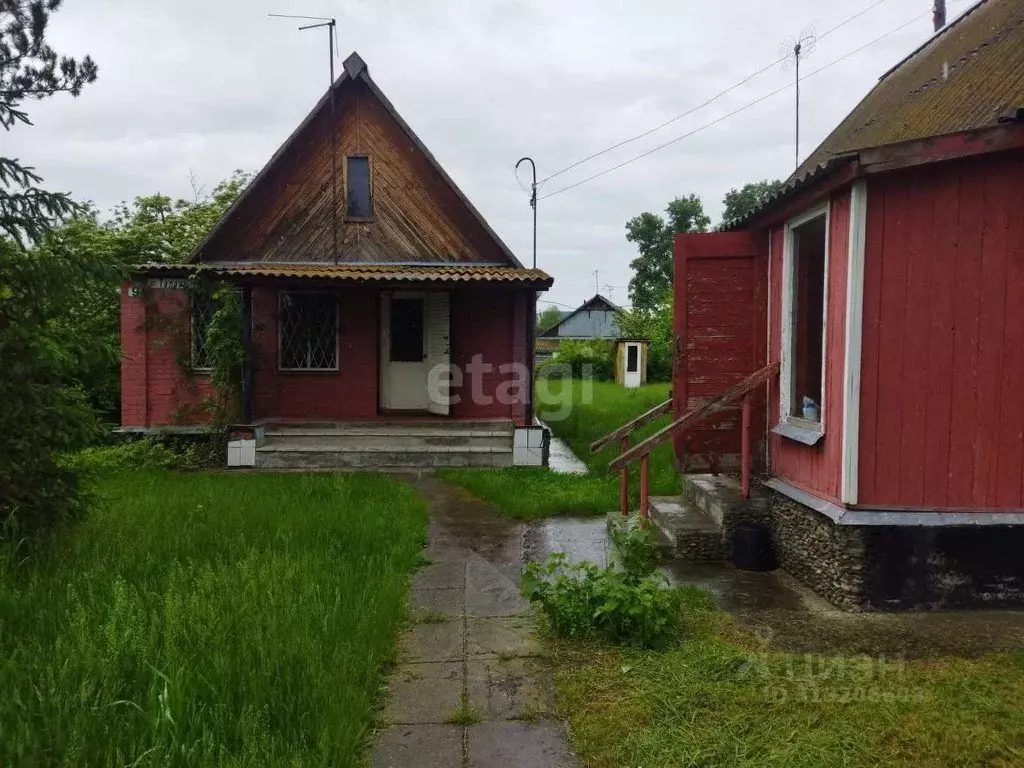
361, 273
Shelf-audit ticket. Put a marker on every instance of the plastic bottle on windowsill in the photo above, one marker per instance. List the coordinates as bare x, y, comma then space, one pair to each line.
811, 412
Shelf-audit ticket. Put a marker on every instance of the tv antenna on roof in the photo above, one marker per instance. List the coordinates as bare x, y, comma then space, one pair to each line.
332, 36
802, 46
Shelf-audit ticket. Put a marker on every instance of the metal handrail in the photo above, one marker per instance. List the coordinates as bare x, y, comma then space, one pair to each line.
642, 450
631, 426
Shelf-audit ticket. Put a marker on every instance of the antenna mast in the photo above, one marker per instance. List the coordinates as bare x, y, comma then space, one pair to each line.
331, 24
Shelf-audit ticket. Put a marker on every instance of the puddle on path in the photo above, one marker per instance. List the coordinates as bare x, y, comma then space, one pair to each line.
560, 456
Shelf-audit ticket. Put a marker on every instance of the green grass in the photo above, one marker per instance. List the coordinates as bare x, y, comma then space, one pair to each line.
721, 698
207, 620
533, 492
578, 412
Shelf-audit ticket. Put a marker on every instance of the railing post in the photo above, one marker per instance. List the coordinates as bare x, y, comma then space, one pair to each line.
624, 479
644, 485
745, 450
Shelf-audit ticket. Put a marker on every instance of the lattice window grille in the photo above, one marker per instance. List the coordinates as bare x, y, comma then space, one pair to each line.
308, 332
201, 307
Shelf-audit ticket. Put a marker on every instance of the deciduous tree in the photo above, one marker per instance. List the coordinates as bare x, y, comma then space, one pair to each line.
740, 203
653, 235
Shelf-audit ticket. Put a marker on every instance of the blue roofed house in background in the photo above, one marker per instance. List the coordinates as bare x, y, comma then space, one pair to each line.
594, 319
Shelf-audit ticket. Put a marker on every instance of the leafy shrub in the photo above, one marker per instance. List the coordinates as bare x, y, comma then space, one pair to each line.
45, 408
590, 358
147, 453
137, 454
635, 540
585, 600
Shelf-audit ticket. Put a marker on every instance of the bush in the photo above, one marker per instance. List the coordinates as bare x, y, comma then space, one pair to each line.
575, 358
583, 600
146, 453
635, 539
45, 408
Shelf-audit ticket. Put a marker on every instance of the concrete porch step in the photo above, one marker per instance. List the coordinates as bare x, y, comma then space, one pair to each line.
291, 446
693, 535
384, 427
400, 442
272, 458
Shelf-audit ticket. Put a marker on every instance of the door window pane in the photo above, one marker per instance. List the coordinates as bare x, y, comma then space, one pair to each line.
632, 358
407, 330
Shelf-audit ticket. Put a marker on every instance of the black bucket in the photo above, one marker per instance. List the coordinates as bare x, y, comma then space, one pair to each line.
752, 548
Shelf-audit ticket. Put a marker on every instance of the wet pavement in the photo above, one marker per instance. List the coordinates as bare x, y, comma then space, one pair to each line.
473, 689
787, 616
560, 456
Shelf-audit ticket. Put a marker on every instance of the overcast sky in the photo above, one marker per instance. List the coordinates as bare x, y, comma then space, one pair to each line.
201, 88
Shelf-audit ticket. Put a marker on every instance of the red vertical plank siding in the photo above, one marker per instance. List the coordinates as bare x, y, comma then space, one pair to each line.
890, 343
938, 365
818, 468
913, 416
990, 333
871, 332
942, 407
965, 339
1010, 454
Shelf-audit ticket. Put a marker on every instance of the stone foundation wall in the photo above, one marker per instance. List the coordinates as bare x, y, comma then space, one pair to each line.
898, 567
828, 558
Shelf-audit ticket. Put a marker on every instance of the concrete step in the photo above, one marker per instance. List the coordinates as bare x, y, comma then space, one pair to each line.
412, 441
720, 497
276, 458
694, 536
431, 428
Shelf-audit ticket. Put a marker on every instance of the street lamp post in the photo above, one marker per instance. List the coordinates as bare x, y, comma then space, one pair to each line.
533, 202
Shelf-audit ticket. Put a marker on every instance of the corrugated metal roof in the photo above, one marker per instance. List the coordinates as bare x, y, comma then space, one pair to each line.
962, 79
363, 273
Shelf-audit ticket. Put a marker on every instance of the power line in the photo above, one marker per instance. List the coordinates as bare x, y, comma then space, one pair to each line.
710, 101
745, 107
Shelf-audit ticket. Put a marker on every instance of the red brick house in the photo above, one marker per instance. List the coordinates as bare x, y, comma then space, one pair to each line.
379, 307
886, 283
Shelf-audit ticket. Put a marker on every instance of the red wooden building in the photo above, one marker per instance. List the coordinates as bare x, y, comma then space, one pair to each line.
887, 282
385, 321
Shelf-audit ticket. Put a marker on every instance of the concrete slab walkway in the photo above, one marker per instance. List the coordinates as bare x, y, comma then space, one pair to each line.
472, 689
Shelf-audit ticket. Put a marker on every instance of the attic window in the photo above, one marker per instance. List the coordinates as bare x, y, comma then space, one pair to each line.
804, 306
357, 183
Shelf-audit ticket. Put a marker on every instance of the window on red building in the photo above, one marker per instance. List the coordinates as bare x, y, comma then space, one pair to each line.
804, 322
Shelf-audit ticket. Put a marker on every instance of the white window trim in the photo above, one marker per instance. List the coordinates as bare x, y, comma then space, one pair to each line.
337, 333
854, 333
786, 374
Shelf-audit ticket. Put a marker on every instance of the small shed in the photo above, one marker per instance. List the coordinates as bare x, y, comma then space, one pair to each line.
631, 362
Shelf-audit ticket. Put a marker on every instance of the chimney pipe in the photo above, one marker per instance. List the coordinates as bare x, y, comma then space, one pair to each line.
939, 14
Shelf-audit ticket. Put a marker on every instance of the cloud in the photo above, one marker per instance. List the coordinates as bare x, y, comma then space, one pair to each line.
204, 88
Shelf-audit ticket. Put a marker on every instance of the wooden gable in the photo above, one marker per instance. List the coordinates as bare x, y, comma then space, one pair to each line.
288, 214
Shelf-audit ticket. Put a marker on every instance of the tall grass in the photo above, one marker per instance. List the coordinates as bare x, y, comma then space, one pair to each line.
207, 619
587, 411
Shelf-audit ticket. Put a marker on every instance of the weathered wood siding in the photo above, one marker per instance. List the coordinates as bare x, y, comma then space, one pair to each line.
719, 298
417, 216
942, 388
817, 468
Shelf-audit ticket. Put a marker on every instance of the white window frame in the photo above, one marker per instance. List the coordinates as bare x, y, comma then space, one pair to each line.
798, 428
337, 332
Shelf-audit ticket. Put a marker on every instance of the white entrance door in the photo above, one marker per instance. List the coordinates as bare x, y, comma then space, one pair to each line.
414, 338
632, 377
